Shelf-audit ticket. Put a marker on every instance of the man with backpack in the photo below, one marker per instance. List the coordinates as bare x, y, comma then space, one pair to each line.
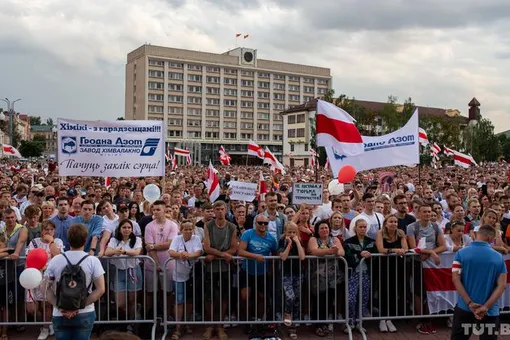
75, 273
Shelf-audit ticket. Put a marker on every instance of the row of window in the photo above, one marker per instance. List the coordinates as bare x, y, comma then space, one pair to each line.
226, 135
296, 133
213, 113
233, 81
295, 119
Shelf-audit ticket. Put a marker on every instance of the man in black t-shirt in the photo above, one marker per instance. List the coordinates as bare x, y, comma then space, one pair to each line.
404, 219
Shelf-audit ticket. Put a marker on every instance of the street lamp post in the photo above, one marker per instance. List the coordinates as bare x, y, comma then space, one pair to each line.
10, 108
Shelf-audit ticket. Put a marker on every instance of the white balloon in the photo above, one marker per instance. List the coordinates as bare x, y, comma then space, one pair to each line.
151, 193
30, 278
335, 188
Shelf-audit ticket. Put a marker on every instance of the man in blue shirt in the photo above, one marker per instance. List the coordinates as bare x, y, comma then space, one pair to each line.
254, 246
62, 221
94, 224
479, 274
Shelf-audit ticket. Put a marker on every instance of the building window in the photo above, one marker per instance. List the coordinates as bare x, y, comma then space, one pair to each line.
292, 147
194, 67
322, 81
306, 147
277, 127
229, 102
246, 103
277, 116
300, 118
246, 136
230, 81
156, 62
195, 89
175, 76
246, 115
277, 137
300, 132
293, 78
308, 80
213, 90
173, 133
175, 110
307, 99
246, 73
294, 97
246, 93
229, 135
262, 136
175, 87
308, 89
230, 92
264, 75
194, 122
294, 88
291, 133
263, 116
263, 127
194, 134
156, 74
213, 101
195, 77
155, 85
263, 95
213, 69
229, 71
278, 86
264, 84
155, 109
210, 134
229, 114
280, 107
278, 96
246, 125
175, 65
194, 112
322, 91
262, 105
229, 125
212, 113
247, 83
212, 123
156, 97
213, 80
278, 76
194, 100
175, 122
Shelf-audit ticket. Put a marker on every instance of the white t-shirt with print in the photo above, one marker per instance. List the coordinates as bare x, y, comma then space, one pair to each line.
38, 243
183, 268
110, 225
124, 264
91, 266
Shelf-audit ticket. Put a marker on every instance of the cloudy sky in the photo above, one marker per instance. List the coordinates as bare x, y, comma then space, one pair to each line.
66, 58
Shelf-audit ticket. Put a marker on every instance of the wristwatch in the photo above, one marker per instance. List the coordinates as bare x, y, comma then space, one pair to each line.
151, 247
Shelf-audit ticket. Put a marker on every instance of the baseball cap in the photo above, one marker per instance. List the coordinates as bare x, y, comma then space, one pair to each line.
72, 192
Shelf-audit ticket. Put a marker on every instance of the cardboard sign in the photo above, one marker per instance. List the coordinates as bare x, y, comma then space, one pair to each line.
309, 193
242, 191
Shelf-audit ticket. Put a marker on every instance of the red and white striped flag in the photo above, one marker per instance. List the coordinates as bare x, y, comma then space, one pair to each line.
436, 149
181, 152
262, 188
238, 35
173, 162
422, 137
107, 182
447, 151
438, 284
10, 150
336, 128
213, 183
462, 160
270, 159
224, 156
188, 159
313, 157
326, 166
246, 36
255, 150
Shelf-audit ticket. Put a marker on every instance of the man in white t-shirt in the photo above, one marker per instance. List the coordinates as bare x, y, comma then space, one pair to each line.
110, 224
75, 324
375, 220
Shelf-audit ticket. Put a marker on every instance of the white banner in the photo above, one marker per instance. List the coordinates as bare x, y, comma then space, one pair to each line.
400, 147
242, 191
125, 148
309, 193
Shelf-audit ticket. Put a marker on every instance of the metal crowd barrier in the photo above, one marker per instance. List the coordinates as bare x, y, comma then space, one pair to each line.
216, 299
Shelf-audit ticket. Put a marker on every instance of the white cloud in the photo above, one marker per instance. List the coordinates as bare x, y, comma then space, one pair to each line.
66, 59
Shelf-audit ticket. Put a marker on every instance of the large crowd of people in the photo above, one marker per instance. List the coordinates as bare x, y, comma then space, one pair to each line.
424, 209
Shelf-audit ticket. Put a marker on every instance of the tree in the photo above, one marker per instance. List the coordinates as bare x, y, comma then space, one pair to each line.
480, 141
443, 130
35, 120
120, 118
504, 146
29, 149
49, 122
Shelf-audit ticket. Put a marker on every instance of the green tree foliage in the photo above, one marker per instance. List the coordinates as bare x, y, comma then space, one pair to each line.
39, 138
480, 141
49, 122
443, 130
504, 145
120, 118
35, 120
30, 148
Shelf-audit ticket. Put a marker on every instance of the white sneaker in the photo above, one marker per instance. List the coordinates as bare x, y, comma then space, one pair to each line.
233, 319
360, 328
382, 326
307, 318
52, 331
331, 328
227, 324
45, 332
449, 322
391, 326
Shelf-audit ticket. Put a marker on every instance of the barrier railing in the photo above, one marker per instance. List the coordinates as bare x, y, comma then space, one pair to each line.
235, 294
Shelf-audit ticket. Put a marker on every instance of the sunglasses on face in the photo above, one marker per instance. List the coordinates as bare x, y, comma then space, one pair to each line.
262, 223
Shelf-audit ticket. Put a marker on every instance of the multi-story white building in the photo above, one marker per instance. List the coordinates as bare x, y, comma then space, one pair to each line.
210, 99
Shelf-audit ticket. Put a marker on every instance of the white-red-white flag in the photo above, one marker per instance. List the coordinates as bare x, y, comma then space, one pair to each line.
213, 183
313, 158
107, 182
188, 159
224, 156
10, 150
262, 188
462, 160
270, 159
447, 151
335, 128
255, 150
181, 152
422, 137
435, 149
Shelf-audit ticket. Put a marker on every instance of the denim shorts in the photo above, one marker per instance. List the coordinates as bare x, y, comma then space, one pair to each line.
183, 292
129, 280
77, 328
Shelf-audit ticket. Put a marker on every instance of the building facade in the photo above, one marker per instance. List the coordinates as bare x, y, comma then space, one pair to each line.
208, 99
49, 132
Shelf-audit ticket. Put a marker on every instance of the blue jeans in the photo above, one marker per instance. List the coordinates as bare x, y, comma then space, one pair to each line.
78, 328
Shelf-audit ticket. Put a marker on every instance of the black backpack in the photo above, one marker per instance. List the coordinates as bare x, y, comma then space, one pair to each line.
72, 289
